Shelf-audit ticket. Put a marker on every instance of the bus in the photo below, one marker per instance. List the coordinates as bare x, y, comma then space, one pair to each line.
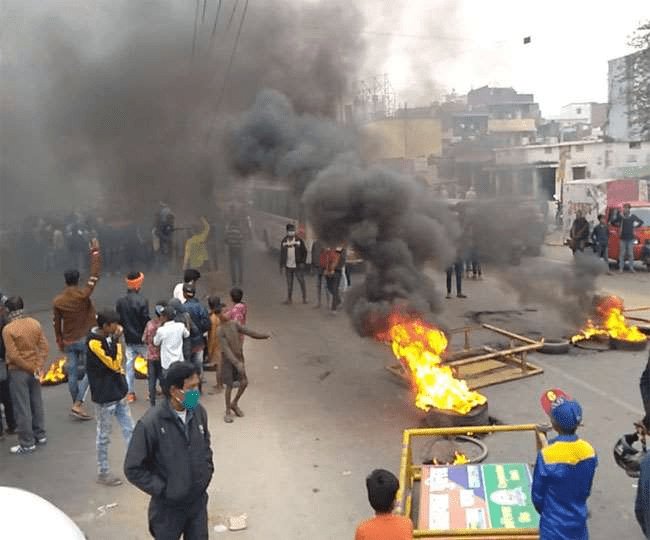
272, 207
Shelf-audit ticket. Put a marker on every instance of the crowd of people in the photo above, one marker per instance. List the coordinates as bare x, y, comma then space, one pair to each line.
581, 235
181, 340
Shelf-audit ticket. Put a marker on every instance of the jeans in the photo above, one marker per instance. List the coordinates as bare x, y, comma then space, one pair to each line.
5, 400
28, 406
197, 360
235, 256
76, 359
626, 250
298, 273
320, 277
154, 373
104, 413
334, 288
131, 352
456, 268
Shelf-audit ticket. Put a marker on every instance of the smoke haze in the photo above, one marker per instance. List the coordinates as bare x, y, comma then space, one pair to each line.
112, 105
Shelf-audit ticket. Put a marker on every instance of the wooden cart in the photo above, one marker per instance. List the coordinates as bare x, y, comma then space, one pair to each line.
411, 476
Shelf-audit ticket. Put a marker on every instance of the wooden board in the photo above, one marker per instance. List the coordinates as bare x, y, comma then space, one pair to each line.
481, 374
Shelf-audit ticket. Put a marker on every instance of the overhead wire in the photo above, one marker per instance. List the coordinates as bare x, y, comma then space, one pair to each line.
216, 21
231, 60
196, 26
232, 14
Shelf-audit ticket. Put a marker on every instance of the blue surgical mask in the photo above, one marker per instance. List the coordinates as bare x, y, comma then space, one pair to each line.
191, 399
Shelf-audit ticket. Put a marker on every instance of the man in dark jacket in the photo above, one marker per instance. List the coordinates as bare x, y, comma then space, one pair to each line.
107, 388
293, 256
642, 504
170, 458
600, 238
201, 324
627, 223
5, 396
579, 233
134, 316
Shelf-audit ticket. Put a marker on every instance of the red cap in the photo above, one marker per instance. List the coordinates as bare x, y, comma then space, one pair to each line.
552, 398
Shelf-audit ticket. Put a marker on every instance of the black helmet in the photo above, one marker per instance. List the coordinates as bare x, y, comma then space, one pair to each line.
627, 456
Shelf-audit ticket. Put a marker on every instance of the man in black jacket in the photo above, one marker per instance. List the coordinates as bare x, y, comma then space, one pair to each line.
104, 364
170, 458
134, 316
293, 256
5, 396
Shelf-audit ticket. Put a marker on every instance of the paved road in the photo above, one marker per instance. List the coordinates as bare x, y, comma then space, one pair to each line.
322, 411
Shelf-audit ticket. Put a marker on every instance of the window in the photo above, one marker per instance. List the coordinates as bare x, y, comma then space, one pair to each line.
580, 147
548, 150
636, 145
578, 110
579, 173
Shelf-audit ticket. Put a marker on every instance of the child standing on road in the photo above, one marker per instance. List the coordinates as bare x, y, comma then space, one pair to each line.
232, 358
108, 388
238, 311
154, 368
214, 347
382, 487
564, 472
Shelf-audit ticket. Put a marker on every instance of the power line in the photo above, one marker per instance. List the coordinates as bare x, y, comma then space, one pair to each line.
230, 64
232, 14
216, 20
196, 26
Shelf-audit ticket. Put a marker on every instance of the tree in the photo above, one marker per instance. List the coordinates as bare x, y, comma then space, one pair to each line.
639, 114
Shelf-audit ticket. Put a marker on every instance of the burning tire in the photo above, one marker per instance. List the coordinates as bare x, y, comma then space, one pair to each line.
555, 346
625, 345
438, 418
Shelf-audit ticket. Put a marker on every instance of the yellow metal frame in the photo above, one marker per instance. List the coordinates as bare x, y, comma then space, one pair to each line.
409, 473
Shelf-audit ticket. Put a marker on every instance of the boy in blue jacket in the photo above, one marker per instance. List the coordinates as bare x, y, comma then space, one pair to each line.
564, 472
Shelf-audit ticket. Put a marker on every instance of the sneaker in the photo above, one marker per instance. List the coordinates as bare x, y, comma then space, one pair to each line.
448, 296
461, 295
130, 397
41, 441
20, 449
108, 479
287, 302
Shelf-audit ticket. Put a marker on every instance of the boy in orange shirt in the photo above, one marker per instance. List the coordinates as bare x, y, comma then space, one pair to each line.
382, 487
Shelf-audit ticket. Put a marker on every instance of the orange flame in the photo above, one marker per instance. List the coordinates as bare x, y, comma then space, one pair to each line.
419, 346
55, 374
612, 323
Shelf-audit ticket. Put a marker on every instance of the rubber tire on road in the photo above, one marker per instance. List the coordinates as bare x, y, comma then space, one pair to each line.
623, 345
555, 346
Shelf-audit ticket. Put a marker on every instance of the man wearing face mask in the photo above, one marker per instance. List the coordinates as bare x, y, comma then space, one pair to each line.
293, 256
170, 458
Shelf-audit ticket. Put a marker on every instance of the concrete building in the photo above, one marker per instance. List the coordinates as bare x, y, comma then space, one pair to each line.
541, 169
408, 144
620, 126
492, 118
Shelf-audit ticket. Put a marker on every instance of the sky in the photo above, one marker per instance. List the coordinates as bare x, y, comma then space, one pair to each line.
465, 44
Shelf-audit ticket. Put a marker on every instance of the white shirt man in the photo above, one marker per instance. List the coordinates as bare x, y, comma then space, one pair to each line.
169, 337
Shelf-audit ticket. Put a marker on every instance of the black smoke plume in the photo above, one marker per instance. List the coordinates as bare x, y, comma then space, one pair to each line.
385, 216
111, 109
